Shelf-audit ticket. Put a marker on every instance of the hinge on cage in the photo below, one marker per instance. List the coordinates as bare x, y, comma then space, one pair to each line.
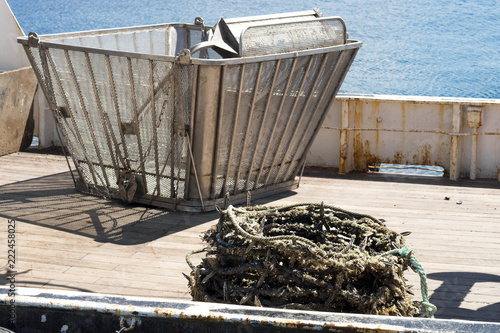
200, 22
127, 127
129, 185
181, 130
63, 111
184, 57
33, 39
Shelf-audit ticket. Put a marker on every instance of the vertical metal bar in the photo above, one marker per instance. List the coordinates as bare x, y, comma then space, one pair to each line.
249, 125
178, 93
332, 95
455, 142
101, 114
269, 96
179, 107
204, 131
235, 124
283, 160
304, 112
85, 113
172, 137
154, 122
126, 160
136, 124
344, 145
280, 109
222, 95
193, 90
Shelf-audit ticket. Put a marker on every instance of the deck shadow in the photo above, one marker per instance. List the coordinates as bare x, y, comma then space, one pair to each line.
318, 172
19, 278
452, 292
53, 202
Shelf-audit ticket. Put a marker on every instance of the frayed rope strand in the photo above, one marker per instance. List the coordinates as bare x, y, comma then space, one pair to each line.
429, 308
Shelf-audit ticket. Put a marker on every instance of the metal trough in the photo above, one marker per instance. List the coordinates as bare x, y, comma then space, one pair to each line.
147, 121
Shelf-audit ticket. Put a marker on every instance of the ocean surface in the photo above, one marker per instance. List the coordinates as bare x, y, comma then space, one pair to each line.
410, 47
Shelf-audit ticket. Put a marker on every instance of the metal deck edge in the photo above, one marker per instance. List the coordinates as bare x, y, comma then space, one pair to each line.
165, 309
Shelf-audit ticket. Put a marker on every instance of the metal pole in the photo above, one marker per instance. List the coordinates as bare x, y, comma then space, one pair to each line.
473, 154
455, 143
343, 163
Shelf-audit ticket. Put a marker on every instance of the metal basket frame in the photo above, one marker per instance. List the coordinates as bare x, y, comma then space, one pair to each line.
231, 126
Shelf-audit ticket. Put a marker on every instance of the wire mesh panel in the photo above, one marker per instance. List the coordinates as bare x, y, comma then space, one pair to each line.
120, 120
147, 122
270, 113
282, 37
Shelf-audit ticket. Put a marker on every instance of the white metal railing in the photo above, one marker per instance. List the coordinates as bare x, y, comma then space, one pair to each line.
460, 134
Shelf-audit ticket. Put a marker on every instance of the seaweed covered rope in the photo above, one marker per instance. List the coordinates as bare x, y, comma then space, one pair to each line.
305, 256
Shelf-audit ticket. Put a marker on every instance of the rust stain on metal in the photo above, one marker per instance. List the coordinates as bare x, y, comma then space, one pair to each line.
403, 116
358, 115
441, 117
377, 133
403, 123
294, 324
398, 158
164, 312
358, 153
375, 329
424, 156
362, 154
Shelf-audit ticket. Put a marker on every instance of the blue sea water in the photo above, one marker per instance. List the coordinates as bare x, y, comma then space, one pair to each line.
410, 47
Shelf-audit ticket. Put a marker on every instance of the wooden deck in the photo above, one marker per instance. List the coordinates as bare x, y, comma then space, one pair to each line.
67, 240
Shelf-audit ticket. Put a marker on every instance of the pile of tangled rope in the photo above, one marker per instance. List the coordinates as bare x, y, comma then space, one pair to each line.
307, 256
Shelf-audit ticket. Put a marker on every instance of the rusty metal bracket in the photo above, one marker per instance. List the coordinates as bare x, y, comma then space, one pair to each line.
33, 39
474, 116
63, 111
184, 57
181, 130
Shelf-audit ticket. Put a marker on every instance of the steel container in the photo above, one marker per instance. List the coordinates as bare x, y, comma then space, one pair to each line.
147, 121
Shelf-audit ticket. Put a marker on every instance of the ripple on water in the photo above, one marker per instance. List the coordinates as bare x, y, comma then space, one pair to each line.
425, 47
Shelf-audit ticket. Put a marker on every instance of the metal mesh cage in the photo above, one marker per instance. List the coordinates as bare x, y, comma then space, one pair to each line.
147, 122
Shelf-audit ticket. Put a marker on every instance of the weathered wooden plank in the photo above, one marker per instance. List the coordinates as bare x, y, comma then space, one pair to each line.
65, 236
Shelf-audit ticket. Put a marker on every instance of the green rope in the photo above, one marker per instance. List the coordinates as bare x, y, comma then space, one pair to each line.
429, 308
